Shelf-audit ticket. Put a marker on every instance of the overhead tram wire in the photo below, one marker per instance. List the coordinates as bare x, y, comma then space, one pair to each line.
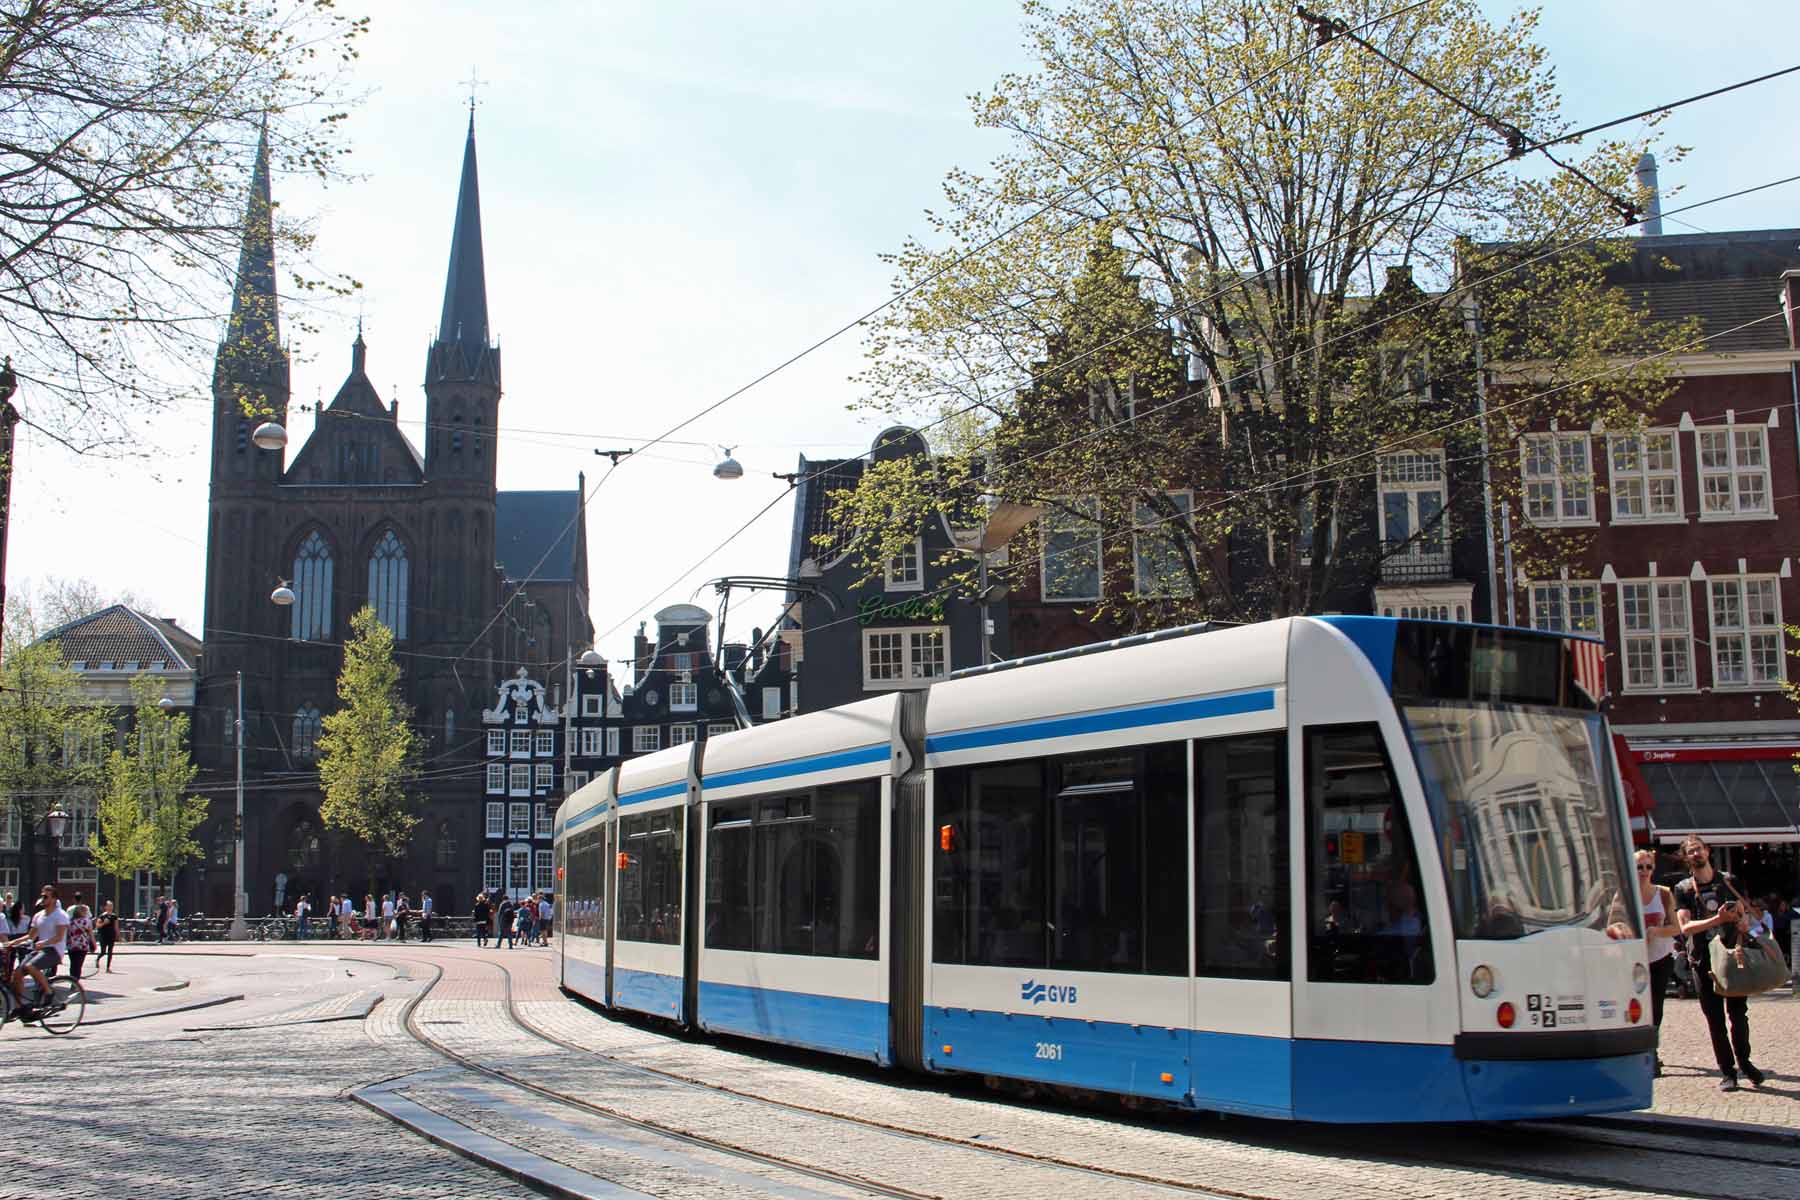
1136, 416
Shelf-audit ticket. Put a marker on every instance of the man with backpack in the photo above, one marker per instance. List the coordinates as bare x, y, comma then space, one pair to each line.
1708, 907
504, 928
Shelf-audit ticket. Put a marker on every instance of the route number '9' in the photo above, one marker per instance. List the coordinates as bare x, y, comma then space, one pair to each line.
1050, 1050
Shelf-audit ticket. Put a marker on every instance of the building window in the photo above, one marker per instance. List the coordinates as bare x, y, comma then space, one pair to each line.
311, 610
496, 779
1559, 479
1070, 560
544, 744
541, 818
645, 737
1657, 635
1413, 525
680, 735
612, 742
1734, 472
897, 658
717, 727
496, 741
575, 781
496, 819
9, 827
1566, 606
307, 723
1156, 543
590, 743
683, 697
590, 706
446, 845
1646, 476
518, 820
771, 708
905, 571
683, 661
521, 743
546, 777
491, 865
519, 782
388, 584
1746, 632
544, 877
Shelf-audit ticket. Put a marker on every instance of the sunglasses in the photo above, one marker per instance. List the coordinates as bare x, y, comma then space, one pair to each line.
1645, 870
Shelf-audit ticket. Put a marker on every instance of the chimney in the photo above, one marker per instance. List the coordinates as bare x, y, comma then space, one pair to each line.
640, 654
1651, 192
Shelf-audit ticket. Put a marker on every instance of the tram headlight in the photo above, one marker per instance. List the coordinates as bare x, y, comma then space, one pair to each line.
1640, 977
1481, 982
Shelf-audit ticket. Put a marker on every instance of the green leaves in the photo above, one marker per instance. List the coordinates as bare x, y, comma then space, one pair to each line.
367, 752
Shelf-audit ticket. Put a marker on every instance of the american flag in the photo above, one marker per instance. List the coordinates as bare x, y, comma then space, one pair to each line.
1590, 668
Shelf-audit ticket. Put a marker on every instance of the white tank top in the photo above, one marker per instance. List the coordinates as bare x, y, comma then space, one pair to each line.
1659, 947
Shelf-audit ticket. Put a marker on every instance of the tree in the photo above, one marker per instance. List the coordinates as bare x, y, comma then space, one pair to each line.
1301, 229
367, 750
51, 740
126, 130
121, 844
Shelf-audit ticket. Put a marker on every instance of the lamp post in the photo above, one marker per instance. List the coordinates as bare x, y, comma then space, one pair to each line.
56, 820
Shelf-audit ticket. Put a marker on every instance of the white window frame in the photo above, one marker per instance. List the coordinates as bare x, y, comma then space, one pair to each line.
645, 738
518, 780
683, 697
1734, 629
1548, 478
590, 706
520, 746
518, 820
544, 777
543, 875
544, 743
1416, 549
1659, 636
591, 743
771, 703
496, 743
1734, 473
1630, 475
1558, 598
1145, 529
910, 661
493, 871
496, 779
715, 728
543, 821
574, 781
496, 818
905, 572
612, 742
9, 828
1057, 523
682, 661
681, 735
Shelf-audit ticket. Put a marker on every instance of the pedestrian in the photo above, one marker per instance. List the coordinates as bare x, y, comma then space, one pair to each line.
424, 916
331, 916
174, 919
162, 919
302, 919
503, 926
526, 916
106, 935
387, 916
402, 914
1659, 936
368, 930
1782, 914
81, 938
1707, 908
482, 913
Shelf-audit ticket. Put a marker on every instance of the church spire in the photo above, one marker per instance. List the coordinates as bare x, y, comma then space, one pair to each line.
465, 319
255, 329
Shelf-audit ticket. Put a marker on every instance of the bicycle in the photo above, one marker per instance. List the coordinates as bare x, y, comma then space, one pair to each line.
270, 929
59, 1015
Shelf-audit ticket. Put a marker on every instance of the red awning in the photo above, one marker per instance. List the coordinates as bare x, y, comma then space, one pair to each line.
1638, 800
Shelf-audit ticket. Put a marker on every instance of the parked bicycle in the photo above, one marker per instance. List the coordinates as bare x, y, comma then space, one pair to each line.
270, 929
60, 1013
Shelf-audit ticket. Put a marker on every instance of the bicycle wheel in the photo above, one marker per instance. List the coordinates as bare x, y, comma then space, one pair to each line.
68, 1004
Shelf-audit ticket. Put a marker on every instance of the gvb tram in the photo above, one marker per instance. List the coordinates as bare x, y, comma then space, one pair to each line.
1332, 869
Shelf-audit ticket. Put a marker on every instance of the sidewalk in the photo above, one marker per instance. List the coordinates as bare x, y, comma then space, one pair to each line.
1690, 1083
147, 980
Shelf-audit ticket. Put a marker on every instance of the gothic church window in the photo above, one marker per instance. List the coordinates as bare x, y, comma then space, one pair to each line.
388, 584
312, 589
306, 732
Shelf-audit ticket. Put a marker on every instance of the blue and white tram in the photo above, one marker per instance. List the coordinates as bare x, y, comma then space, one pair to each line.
1332, 869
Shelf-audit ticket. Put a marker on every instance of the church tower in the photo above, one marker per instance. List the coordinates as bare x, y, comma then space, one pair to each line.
462, 370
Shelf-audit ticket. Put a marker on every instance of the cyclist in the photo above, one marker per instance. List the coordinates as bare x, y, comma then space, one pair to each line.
43, 946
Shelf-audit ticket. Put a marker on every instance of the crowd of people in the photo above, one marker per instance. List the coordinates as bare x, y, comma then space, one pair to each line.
394, 917
525, 922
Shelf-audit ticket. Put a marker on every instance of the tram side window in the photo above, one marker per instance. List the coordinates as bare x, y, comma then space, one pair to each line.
1365, 917
730, 848
584, 886
1241, 857
650, 878
989, 886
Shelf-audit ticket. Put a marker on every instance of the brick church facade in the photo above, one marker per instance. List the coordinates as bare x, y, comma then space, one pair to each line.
475, 583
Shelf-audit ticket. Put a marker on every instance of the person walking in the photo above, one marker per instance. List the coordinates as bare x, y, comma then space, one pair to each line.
162, 919
545, 911
482, 913
424, 916
402, 914
387, 916
1659, 936
302, 919
503, 927
1707, 908
369, 916
81, 938
174, 919
106, 935
527, 919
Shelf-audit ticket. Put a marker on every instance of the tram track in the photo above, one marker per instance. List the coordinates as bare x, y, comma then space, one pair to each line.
1633, 1160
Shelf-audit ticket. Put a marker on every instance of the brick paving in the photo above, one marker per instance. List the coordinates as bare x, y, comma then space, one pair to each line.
1690, 1083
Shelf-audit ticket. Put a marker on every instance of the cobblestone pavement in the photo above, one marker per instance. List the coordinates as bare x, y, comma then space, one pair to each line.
266, 1110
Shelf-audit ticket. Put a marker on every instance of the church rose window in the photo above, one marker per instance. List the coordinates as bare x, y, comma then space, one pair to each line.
312, 589
387, 584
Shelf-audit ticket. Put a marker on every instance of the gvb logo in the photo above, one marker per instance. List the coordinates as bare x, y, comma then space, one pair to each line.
1052, 993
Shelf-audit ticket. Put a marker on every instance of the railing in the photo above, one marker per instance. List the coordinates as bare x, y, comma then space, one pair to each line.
218, 929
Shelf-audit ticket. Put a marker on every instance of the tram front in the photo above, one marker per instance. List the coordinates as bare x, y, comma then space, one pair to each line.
1514, 759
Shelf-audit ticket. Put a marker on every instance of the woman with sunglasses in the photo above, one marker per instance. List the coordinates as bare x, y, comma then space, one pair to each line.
1659, 935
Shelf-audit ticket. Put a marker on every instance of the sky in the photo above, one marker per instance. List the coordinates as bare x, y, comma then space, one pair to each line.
678, 196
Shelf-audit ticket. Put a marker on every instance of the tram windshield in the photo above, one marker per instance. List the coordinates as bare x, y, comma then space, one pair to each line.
1526, 819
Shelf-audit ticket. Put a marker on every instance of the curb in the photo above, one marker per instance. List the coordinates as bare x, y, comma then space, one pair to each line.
162, 1012
1743, 1131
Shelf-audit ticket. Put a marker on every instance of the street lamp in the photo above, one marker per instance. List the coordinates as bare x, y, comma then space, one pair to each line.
729, 467
56, 820
1004, 520
283, 595
269, 436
